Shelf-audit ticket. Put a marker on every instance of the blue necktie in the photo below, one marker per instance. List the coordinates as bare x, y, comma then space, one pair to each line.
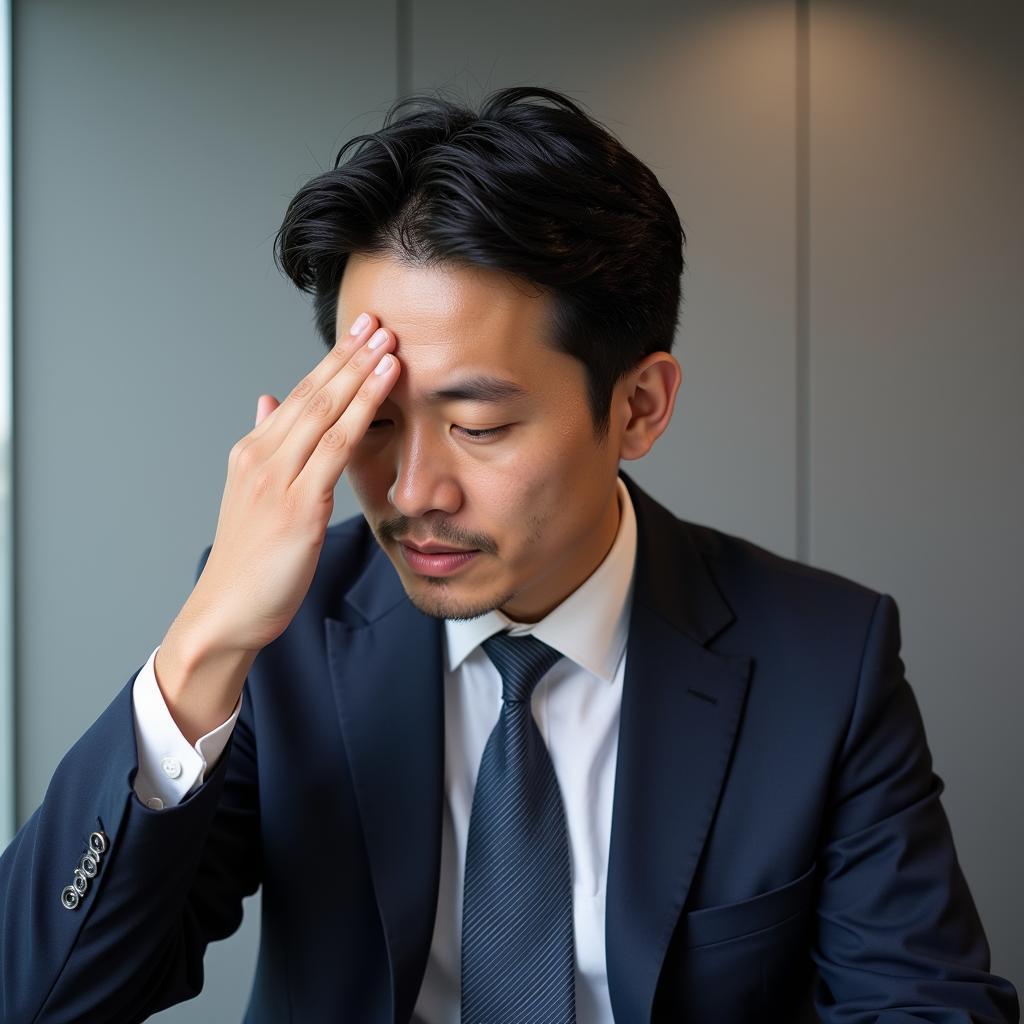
518, 959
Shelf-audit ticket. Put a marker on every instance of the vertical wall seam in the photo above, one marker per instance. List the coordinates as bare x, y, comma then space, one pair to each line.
403, 48
803, 281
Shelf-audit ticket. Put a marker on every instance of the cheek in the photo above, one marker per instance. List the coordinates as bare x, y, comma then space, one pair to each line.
541, 479
533, 505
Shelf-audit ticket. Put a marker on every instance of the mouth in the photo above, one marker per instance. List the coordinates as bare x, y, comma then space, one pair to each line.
436, 549
436, 563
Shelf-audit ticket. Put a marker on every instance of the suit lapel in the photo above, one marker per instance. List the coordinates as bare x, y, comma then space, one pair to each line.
681, 707
388, 680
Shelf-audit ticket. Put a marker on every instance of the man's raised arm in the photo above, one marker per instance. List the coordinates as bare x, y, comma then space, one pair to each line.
107, 904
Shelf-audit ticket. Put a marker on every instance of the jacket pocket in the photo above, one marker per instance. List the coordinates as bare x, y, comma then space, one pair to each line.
735, 920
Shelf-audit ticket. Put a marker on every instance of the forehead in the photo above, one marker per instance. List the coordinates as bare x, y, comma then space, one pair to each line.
451, 319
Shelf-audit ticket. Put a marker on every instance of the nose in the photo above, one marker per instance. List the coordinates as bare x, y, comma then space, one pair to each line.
423, 479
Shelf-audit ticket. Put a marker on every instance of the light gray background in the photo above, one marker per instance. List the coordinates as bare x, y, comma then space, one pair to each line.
849, 179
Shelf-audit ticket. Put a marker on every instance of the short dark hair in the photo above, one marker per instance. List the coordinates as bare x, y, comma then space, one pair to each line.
545, 193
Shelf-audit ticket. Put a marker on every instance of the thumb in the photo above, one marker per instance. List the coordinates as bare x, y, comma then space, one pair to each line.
265, 405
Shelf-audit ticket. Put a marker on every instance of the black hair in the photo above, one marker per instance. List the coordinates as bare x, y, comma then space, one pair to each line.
545, 193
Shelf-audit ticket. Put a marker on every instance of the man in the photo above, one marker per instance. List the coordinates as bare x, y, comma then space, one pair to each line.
515, 744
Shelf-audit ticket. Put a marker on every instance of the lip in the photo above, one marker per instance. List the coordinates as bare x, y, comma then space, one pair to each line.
436, 565
435, 549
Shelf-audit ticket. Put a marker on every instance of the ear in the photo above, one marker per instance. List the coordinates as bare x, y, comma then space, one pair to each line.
646, 400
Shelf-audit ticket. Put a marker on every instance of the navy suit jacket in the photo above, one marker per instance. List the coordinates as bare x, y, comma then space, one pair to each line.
777, 837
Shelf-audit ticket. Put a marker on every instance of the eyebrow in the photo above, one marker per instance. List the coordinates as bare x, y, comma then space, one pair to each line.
480, 388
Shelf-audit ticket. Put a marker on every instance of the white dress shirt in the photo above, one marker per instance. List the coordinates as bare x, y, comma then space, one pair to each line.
576, 707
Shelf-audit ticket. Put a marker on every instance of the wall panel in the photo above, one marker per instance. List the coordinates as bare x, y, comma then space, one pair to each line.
156, 148
917, 371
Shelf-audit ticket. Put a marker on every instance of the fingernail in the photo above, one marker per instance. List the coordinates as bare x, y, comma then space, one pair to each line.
384, 365
378, 339
360, 323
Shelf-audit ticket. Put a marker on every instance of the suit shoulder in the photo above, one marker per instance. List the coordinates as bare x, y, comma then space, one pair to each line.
745, 569
349, 546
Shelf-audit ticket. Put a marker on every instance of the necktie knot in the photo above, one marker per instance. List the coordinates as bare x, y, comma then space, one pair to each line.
521, 662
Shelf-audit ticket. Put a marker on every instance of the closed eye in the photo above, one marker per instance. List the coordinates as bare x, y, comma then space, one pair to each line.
491, 432
471, 432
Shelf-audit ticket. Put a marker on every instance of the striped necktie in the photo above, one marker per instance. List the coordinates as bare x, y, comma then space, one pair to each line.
518, 961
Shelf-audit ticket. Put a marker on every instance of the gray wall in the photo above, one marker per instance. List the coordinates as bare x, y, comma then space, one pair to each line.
851, 345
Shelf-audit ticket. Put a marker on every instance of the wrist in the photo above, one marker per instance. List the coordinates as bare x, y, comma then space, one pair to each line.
200, 680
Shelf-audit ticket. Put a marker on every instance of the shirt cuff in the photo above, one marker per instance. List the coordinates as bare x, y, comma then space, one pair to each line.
169, 767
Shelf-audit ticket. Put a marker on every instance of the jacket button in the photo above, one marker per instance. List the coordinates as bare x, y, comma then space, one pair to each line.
98, 844
69, 898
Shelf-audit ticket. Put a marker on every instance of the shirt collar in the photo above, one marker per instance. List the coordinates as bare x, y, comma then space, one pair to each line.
589, 626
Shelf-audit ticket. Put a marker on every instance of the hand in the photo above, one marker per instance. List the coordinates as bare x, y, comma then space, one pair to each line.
279, 497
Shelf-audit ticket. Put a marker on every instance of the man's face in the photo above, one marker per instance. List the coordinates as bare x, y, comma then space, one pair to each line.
536, 500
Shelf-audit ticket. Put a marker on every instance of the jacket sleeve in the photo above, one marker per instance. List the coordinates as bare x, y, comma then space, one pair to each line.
106, 905
899, 939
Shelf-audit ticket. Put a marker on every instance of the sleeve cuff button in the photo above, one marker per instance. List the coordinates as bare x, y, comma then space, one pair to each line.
88, 867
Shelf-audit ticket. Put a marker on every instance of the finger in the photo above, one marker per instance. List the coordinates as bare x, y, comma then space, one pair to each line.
326, 412
265, 405
273, 429
333, 452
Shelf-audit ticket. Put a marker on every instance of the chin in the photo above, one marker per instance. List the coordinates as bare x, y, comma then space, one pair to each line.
441, 598
439, 604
